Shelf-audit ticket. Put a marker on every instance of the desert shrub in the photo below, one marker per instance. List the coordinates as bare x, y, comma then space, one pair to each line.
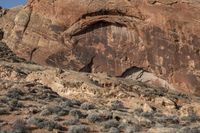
106, 114
66, 103
14, 104
3, 123
138, 111
17, 94
45, 112
191, 118
63, 112
76, 113
19, 126
117, 105
69, 103
34, 111
50, 125
54, 110
132, 129
123, 125
110, 123
79, 129
75, 102
71, 122
94, 117
114, 130
3, 111
167, 119
87, 106
56, 118
190, 129
43, 123
147, 114
4, 100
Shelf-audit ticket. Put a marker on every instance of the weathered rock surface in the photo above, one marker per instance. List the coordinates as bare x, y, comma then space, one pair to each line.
42, 99
112, 36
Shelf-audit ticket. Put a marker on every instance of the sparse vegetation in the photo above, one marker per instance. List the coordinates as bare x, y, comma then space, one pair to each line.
132, 129
4, 111
190, 129
114, 130
167, 119
43, 123
71, 122
192, 117
15, 93
54, 110
75, 102
45, 112
87, 106
94, 117
110, 123
79, 129
147, 114
66, 103
117, 105
14, 104
76, 113
19, 126
106, 114
63, 112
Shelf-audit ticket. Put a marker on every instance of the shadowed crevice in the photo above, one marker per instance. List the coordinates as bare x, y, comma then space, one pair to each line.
131, 71
88, 68
1, 34
97, 25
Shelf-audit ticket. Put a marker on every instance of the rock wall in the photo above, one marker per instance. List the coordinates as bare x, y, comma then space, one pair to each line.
112, 36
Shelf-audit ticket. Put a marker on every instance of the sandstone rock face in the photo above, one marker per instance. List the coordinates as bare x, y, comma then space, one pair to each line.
42, 99
112, 36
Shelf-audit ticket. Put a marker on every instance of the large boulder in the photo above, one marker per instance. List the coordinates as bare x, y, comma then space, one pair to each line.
161, 37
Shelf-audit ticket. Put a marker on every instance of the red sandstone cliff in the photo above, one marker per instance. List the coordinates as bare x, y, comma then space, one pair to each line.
161, 37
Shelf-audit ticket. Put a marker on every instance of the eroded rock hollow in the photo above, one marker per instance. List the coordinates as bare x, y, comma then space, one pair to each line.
161, 37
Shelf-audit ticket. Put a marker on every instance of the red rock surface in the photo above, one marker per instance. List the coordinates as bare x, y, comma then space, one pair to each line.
43, 99
112, 36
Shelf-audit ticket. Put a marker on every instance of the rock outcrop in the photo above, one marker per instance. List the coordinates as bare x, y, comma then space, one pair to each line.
160, 37
39, 99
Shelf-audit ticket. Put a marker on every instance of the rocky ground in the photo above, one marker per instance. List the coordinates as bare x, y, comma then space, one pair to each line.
161, 37
43, 99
